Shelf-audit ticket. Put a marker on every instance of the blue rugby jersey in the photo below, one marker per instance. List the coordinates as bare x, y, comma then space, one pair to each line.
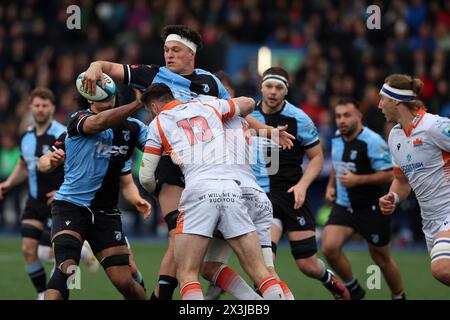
184, 88
95, 162
32, 147
366, 154
290, 161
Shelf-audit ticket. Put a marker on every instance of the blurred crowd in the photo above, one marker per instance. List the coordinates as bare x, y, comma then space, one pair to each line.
342, 56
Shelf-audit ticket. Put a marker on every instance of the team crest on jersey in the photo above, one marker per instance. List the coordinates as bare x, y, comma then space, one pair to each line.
353, 154
45, 148
301, 221
126, 135
118, 235
409, 157
417, 142
205, 87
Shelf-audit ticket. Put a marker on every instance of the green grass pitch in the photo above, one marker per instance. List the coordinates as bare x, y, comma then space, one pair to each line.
418, 281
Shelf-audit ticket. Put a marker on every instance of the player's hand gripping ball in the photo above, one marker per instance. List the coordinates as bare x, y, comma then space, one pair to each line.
101, 94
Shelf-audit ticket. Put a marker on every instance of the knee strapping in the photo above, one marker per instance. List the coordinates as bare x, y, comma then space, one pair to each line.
67, 247
441, 249
302, 249
116, 260
30, 231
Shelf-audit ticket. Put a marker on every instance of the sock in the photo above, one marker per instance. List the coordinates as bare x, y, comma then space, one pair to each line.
228, 280
45, 254
352, 285
287, 292
270, 289
139, 279
400, 296
167, 286
326, 274
192, 290
38, 277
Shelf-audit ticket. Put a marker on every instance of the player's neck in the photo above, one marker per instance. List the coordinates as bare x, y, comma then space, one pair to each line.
41, 128
267, 110
406, 118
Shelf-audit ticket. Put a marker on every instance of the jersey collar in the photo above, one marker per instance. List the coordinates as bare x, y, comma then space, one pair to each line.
415, 122
171, 104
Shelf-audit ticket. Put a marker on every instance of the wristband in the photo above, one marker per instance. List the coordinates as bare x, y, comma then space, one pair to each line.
396, 198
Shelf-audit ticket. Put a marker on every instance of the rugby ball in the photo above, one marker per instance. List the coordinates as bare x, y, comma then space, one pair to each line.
101, 94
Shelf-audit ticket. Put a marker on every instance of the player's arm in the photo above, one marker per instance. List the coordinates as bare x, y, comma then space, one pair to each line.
349, 179
54, 157
398, 192
312, 171
18, 176
279, 135
109, 118
95, 73
147, 173
150, 159
330, 193
51, 160
243, 105
131, 193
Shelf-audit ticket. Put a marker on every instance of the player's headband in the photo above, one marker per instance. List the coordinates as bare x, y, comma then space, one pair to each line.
188, 43
397, 94
276, 78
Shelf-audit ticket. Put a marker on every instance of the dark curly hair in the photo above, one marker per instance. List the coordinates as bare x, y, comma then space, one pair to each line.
184, 32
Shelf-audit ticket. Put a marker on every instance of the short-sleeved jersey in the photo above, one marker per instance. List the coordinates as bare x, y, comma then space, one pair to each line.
290, 161
95, 162
367, 153
422, 154
239, 143
184, 88
193, 135
32, 147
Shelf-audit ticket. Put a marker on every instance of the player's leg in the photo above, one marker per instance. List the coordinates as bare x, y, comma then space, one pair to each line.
304, 250
115, 261
135, 273
381, 255
376, 229
168, 199
189, 253
248, 251
67, 247
440, 255
31, 233
238, 229
333, 238
215, 270
106, 238
261, 212
69, 224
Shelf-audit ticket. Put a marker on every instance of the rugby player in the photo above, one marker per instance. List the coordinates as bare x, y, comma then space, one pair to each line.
420, 148
193, 135
361, 167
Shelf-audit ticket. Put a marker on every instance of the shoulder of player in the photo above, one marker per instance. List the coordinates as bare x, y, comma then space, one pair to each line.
56, 129
292, 111
369, 136
29, 132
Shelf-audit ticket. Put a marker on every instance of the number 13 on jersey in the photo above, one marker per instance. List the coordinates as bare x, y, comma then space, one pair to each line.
203, 133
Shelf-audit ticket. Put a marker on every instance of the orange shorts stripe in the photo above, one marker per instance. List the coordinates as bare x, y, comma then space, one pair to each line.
398, 171
180, 223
